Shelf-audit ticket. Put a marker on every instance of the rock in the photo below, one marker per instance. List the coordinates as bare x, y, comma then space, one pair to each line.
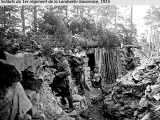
157, 96
6, 102
76, 98
143, 102
155, 89
37, 97
27, 117
40, 106
73, 113
30, 81
148, 88
158, 79
135, 113
20, 100
146, 117
39, 116
18, 60
24, 103
134, 104
32, 96
9, 74
157, 60
51, 108
34, 110
65, 117
75, 90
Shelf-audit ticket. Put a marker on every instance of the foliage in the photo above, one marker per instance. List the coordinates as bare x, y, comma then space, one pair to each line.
107, 37
8, 41
126, 32
89, 31
8, 16
94, 24
153, 15
53, 25
80, 24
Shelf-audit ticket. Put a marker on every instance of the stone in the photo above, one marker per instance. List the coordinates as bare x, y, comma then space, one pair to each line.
148, 88
157, 60
158, 79
34, 110
30, 81
76, 98
157, 96
75, 90
6, 102
155, 89
18, 60
25, 103
27, 117
146, 117
32, 96
9, 74
143, 102
65, 117
20, 100
73, 113
40, 106
37, 97
39, 116
51, 108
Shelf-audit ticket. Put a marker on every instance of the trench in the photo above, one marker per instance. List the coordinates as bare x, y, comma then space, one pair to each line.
95, 109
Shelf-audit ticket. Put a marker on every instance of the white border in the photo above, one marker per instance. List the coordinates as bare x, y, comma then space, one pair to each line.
56, 2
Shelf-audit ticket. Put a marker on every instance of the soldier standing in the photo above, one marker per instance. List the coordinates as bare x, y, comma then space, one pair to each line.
60, 83
78, 70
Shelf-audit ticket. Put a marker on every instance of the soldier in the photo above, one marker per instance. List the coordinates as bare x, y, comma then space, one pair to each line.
78, 70
60, 83
97, 78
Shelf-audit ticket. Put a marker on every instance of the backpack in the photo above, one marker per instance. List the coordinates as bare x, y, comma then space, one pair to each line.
75, 63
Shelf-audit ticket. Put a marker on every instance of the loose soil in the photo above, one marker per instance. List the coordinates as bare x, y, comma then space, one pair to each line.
95, 111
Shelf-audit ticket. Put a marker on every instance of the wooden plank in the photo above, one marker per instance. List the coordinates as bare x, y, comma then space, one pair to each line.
107, 67
110, 67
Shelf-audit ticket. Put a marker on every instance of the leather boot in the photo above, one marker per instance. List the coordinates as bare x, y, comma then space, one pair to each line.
64, 103
82, 92
71, 107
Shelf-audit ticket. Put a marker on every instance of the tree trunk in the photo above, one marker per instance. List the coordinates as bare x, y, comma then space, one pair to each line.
4, 18
35, 18
23, 20
77, 9
81, 11
66, 11
131, 21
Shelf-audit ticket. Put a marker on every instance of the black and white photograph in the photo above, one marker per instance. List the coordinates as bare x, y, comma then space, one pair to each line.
79, 62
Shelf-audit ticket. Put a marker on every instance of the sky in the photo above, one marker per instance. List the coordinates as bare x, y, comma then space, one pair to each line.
139, 11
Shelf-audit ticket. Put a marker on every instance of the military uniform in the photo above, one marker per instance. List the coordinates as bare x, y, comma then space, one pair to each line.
78, 70
60, 83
